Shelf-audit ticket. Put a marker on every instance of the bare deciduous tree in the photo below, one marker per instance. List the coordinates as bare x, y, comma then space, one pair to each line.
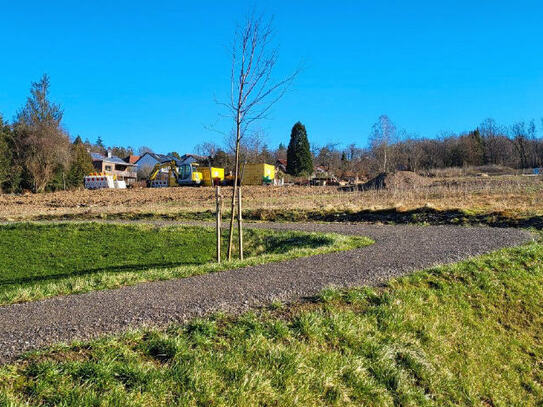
253, 89
383, 136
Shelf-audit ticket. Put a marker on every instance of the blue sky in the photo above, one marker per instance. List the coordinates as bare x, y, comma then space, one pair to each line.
147, 73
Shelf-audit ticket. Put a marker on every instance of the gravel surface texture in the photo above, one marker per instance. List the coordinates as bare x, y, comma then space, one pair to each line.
397, 250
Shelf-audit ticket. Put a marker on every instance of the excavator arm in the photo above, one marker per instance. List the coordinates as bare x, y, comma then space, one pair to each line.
171, 173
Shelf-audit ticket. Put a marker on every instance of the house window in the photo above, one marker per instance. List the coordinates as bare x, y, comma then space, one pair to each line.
108, 167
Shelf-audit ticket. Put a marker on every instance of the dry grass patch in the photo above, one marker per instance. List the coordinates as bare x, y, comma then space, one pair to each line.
522, 195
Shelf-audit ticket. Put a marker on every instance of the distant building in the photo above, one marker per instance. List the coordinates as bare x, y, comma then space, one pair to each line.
113, 165
193, 158
281, 165
149, 160
132, 159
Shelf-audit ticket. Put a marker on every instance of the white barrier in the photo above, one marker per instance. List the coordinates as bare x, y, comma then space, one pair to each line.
99, 182
120, 184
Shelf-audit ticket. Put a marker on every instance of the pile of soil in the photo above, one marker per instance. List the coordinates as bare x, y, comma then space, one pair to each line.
397, 180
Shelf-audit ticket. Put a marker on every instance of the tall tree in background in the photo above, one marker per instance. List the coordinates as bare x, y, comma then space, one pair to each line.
81, 163
42, 144
100, 147
253, 90
281, 152
299, 160
474, 148
383, 136
521, 139
6, 163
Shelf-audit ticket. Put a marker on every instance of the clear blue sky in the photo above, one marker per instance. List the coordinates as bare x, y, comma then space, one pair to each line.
146, 72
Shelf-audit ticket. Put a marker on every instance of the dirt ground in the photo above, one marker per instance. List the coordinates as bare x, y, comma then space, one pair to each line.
522, 195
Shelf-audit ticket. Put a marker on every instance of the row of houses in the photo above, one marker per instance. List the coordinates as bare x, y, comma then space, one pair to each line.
127, 169
130, 168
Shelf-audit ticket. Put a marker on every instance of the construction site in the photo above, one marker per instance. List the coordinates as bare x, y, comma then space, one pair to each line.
161, 171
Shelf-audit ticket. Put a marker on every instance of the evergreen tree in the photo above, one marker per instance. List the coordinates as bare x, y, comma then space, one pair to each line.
100, 143
299, 160
81, 164
281, 152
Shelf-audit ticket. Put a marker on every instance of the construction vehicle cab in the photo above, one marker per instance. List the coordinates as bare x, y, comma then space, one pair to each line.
189, 174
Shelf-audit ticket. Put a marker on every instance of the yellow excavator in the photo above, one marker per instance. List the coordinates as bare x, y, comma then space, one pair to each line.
188, 175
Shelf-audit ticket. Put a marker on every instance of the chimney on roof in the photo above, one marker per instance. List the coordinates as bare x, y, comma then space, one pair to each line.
108, 153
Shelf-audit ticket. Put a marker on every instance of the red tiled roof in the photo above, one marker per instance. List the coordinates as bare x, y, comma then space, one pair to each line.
132, 159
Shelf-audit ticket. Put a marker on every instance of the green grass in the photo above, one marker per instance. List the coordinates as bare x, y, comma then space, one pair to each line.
467, 334
42, 260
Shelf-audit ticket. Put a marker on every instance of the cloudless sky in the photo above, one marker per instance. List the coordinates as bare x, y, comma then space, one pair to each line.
147, 72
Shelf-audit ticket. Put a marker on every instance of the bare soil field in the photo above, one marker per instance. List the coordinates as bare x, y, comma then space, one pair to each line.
518, 196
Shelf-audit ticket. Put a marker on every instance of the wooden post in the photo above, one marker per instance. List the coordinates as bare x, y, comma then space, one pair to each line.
210, 172
218, 199
240, 225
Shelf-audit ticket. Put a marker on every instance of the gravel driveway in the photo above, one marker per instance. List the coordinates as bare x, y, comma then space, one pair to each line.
397, 250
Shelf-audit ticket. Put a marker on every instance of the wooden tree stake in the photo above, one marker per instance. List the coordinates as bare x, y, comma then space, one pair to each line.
240, 225
218, 199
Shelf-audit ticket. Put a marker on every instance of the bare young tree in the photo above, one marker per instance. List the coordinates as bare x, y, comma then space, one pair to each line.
383, 136
253, 90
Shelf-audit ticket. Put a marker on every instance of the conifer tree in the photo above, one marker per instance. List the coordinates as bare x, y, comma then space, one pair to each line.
299, 160
81, 164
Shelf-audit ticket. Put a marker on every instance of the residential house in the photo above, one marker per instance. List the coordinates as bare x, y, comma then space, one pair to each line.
147, 161
132, 159
281, 166
193, 158
113, 165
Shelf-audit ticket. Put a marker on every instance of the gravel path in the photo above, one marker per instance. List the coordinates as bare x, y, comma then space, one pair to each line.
397, 251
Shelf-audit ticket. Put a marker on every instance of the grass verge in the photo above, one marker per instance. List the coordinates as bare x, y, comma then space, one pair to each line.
465, 334
43, 260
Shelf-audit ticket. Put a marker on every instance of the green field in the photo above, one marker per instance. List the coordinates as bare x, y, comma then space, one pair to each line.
466, 334
41, 260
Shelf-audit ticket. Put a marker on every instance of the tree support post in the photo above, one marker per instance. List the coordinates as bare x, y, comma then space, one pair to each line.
240, 225
218, 202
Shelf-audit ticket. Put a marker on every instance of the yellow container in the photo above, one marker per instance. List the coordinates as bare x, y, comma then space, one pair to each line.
216, 173
258, 174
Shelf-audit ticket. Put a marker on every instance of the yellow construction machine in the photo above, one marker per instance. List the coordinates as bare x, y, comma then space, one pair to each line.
187, 174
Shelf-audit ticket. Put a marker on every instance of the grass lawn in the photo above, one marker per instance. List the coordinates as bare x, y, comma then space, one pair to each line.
41, 260
466, 334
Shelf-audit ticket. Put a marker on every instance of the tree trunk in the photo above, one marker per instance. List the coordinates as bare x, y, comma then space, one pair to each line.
218, 198
234, 191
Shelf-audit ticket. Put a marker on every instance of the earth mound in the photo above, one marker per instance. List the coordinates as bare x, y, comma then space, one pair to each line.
397, 180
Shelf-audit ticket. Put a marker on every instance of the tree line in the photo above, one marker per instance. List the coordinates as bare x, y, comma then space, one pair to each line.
390, 148
515, 146
37, 153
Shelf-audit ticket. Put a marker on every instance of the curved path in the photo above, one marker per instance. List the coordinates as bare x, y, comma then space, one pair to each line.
397, 250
